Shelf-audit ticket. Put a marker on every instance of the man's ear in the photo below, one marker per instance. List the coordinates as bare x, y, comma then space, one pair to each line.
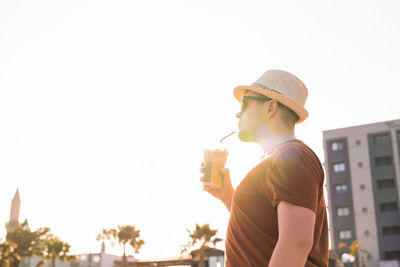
272, 107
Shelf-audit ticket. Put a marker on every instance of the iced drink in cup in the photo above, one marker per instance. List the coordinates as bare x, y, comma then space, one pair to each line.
214, 160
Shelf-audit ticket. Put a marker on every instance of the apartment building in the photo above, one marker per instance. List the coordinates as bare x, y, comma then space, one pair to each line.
363, 180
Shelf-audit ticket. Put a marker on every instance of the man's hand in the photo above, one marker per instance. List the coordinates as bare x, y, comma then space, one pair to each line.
225, 193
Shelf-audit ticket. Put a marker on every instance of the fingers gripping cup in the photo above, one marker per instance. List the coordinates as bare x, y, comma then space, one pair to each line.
214, 160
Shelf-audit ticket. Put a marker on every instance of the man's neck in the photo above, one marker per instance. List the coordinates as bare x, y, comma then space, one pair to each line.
268, 143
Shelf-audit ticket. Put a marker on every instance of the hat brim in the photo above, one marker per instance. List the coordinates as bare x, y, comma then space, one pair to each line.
239, 91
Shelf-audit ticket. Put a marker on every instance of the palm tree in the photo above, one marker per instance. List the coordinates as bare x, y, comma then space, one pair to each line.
8, 254
201, 237
56, 249
125, 234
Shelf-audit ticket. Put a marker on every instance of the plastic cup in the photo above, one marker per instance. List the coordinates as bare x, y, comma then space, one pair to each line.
214, 160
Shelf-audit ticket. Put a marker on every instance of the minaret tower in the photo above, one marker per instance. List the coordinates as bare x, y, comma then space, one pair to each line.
14, 214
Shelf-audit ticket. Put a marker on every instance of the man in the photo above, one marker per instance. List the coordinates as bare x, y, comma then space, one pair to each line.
277, 213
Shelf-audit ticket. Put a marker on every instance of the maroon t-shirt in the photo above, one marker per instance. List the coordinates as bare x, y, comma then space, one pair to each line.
292, 173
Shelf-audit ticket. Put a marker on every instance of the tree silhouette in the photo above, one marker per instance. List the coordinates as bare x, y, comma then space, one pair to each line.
125, 234
28, 243
201, 237
8, 254
55, 249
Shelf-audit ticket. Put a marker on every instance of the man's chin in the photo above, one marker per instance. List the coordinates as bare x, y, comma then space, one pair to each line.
245, 136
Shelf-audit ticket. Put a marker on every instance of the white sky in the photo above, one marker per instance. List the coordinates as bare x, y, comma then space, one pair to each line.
106, 106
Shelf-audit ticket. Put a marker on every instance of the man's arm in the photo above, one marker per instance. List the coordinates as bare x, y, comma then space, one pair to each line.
296, 232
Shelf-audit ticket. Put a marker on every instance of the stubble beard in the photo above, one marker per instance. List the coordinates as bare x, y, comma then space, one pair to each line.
246, 136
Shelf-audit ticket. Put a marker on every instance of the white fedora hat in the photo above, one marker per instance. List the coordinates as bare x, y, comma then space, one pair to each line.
282, 86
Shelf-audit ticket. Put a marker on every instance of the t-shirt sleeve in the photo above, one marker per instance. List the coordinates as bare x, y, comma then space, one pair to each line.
294, 179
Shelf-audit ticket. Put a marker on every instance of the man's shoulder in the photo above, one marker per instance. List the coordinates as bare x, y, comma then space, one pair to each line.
294, 149
297, 152
289, 153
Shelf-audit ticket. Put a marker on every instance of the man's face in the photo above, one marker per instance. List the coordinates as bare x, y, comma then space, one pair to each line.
251, 118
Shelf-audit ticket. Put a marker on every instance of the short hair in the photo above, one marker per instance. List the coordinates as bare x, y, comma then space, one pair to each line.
289, 116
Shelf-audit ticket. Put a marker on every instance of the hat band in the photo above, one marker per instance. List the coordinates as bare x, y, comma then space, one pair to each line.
259, 85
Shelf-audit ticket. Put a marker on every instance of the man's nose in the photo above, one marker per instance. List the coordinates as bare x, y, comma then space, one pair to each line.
238, 115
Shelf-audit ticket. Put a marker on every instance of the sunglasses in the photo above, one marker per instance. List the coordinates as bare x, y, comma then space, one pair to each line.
256, 98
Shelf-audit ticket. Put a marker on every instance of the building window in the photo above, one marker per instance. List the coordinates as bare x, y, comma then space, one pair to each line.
358, 142
391, 230
383, 161
342, 211
389, 206
381, 138
387, 183
337, 146
360, 164
341, 189
366, 233
364, 209
344, 234
362, 186
392, 255
339, 167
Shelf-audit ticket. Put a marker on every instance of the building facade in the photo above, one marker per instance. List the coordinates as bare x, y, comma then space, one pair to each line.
363, 179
